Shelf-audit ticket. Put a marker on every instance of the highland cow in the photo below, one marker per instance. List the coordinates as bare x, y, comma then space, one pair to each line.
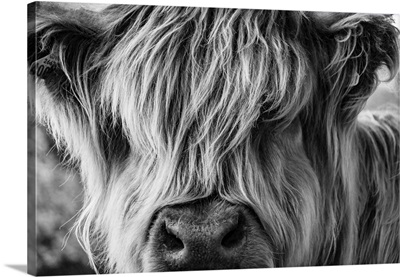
211, 138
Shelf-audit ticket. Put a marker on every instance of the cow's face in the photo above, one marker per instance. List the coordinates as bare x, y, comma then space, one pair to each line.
204, 136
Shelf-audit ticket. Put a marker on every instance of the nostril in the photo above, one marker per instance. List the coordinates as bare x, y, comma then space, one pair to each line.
171, 240
234, 238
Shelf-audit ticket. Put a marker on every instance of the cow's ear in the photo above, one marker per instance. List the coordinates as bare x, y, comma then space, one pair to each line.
61, 40
62, 43
357, 45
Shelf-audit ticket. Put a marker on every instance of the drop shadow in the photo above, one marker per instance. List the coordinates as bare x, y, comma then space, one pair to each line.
18, 267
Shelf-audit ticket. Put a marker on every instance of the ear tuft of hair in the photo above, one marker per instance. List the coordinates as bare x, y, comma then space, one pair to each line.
59, 43
355, 56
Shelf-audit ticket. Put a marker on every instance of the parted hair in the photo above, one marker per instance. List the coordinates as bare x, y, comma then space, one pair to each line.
165, 105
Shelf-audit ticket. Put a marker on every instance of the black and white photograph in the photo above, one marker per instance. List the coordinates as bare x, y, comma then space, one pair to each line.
184, 137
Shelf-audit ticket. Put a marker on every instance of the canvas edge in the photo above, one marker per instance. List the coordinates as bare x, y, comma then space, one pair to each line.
31, 174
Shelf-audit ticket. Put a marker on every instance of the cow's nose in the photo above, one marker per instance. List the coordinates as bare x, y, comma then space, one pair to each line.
212, 238
205, 241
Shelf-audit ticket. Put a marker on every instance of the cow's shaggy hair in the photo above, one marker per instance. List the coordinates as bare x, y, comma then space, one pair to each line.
159, 106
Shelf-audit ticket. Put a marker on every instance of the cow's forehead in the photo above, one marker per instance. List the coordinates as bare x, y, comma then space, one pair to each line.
222, 74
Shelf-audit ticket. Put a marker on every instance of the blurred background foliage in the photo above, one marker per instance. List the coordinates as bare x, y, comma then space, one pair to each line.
59, 198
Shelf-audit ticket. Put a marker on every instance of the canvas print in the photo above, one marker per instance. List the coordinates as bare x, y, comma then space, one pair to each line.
167, 138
